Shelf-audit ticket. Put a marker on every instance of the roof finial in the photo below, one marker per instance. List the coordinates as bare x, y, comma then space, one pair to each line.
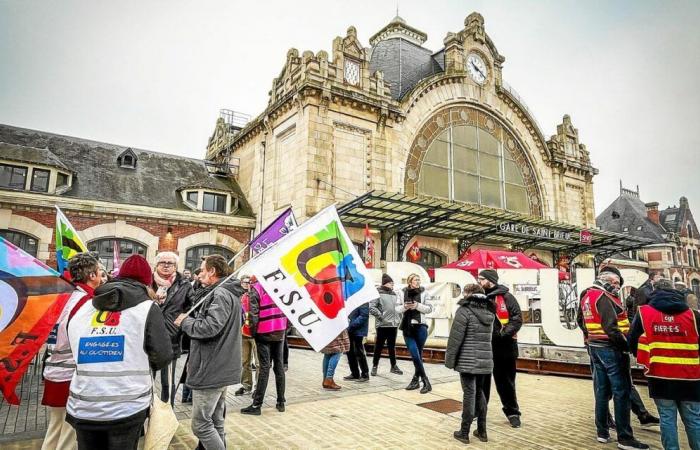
397, 7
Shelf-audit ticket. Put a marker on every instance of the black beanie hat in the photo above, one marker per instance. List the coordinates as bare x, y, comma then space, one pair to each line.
613, 270
386, 279
490, 275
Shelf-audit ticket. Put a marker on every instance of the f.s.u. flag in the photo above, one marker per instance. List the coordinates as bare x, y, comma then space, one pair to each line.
32, 296
68, 243
316, 277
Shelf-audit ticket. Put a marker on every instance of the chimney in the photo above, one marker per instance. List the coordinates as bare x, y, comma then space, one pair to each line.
684, 202
653, 211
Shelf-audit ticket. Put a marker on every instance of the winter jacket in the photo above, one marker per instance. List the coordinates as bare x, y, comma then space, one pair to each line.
215, 333
387, 309
469, 345
505, 334
178, 300
341, 344
359, 321
669, 302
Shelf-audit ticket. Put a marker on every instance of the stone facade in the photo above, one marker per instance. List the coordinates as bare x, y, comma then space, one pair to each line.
360, 119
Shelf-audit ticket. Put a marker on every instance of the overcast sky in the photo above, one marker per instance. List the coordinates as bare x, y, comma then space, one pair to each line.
153, 74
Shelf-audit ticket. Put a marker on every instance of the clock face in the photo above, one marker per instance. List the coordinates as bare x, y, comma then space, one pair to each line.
352, 72
476, 67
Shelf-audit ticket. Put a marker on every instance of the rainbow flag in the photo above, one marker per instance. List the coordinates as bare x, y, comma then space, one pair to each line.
32, 296
68, 243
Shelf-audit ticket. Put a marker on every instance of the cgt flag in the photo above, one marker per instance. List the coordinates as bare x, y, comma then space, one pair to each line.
32, 296
68, 243
316, 277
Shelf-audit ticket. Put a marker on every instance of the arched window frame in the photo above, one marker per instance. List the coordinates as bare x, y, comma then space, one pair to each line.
193, 255
431, 259
25, 241
105, 250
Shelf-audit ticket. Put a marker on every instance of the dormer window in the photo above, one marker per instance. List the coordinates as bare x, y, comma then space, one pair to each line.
625, 229
639, 228
40, 180
127, 159
214, 202
199, 199
192, 197
13, 177
61, 179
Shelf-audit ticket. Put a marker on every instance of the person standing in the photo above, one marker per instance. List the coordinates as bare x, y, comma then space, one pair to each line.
643, 293
117, 339
357, 330
606, 324
664, 337
331, 356
415, 330
174, 295
505, 343
469, 353
387, 312
249, 351
59, 367
267, 326
215, 353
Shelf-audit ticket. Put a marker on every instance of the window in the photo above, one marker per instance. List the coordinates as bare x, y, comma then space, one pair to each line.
192, 197
40, 180
214, 203
127, 159
360, 248
12, 177
194, 255
625, 229
24, 241
695, 286
468, 164
61, 179
690, 231
430, 259
105, 250
639, 228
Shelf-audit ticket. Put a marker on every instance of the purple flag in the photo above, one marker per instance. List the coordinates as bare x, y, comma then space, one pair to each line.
281, 226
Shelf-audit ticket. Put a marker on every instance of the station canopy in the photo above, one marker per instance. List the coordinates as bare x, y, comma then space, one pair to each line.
407, 216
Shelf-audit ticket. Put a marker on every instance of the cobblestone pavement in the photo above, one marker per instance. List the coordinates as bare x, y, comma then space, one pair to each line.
557, 414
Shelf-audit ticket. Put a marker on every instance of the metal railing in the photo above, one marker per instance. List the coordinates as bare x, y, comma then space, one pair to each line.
234, 118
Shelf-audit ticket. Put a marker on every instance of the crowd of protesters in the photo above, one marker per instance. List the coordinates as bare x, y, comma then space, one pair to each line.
150, 316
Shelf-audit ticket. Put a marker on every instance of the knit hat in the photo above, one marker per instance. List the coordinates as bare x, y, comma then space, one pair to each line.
386, 279
614, 271
490, 274
136, 268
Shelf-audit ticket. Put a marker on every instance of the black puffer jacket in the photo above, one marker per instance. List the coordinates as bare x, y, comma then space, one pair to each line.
469, 344
178, 301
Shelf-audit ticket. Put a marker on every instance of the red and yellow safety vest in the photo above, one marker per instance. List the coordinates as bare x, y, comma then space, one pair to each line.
591, 316
669, 346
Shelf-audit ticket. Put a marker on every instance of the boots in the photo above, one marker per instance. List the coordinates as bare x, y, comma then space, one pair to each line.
426, 387
414, 384
329, 383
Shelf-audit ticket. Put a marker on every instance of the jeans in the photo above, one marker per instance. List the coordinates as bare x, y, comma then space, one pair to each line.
357, 360
208, 412
385, 335
330, 362
668, 414
611, 377
415, 343
269, 355
248, 352
473, 400
505, 356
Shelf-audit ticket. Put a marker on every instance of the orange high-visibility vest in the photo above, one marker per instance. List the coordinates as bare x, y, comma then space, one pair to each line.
591, 316
669, 346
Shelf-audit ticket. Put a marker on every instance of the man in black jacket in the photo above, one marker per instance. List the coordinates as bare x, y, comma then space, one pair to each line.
504, 341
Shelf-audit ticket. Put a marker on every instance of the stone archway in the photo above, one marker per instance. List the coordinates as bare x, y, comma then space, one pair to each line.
120, 229
211, 237
43, 234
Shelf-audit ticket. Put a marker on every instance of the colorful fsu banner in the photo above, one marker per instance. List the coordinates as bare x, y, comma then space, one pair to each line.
280, 227
32, 296
68, 243
316, 277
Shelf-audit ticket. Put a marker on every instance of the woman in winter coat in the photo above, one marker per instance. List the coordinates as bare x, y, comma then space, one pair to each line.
469, 353
331, 355
415, 330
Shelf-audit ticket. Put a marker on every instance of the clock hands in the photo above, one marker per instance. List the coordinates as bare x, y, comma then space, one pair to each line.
477, 69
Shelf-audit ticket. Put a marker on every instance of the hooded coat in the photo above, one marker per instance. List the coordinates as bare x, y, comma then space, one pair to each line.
670, 302
469, 345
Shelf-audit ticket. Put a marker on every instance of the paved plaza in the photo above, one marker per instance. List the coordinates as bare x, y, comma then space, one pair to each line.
557, 414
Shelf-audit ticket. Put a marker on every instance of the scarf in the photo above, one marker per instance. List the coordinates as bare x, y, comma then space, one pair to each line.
163, 285
409, 315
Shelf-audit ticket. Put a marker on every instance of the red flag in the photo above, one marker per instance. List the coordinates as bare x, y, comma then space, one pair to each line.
32, 296
115, 258
369, 248
413, 252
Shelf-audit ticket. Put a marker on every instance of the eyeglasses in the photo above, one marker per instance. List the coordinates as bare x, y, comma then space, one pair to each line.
166, 264
245, 282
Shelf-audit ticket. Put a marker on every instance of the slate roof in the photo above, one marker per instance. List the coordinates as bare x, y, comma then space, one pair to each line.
404, 64
671, 219
154, 182
34, 155
631, 214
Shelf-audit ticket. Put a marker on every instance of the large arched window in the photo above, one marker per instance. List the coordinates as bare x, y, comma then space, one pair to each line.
26, 242
105, 250
430, 259
194, 255
466, 163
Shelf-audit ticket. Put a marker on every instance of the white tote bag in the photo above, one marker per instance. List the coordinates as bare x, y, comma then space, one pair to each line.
162, 423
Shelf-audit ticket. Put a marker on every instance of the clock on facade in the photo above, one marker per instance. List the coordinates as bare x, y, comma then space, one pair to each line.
352, 72
476, 67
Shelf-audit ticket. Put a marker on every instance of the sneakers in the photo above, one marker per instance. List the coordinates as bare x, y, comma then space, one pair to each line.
374, 371
647, 420
631, 444
514, 421
280, 407
463, 438
604, 440
396, 370
252, 410
481, 435
350, 377
242, 391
